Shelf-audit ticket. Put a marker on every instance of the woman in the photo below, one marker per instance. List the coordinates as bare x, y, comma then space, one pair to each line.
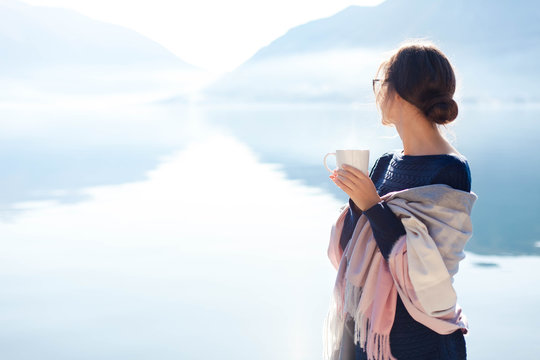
414, 90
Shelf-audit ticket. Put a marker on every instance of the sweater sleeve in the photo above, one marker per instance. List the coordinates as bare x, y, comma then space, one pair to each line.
353, 215
387, 227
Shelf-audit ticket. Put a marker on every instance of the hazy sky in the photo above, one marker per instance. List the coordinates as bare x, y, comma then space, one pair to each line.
215, 35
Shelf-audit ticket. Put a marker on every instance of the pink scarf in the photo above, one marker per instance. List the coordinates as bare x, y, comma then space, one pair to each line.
420, 268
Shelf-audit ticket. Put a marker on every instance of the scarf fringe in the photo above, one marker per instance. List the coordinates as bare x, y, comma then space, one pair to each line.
377, 346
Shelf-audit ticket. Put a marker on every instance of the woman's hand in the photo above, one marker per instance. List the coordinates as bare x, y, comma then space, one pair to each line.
357, 185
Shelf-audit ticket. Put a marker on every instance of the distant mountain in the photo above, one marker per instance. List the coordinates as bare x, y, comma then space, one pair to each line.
479, 25
51, 51
34, 36
493, 45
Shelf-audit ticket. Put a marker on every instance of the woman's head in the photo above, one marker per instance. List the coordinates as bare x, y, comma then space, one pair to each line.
421, 75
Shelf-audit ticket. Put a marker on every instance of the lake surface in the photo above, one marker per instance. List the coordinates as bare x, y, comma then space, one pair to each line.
190, 231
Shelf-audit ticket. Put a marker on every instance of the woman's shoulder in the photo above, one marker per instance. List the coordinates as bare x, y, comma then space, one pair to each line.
381, 161
385, 157
455, 171
457, 162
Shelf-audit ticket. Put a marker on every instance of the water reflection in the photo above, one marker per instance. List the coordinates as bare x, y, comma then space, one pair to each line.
52, 152
500, 155
203, 250
214, 254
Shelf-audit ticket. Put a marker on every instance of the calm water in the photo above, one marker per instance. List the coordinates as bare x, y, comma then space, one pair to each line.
189, 232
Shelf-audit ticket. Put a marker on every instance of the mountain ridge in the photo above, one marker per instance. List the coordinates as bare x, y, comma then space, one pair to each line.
41, 36
485, 41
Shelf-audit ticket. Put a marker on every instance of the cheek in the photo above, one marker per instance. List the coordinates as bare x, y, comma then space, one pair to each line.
385, 114
382, 108
379, 103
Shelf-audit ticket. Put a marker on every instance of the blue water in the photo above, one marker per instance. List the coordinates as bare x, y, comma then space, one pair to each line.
186, 231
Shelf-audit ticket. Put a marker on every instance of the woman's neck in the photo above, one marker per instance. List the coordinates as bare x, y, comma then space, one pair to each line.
420, 137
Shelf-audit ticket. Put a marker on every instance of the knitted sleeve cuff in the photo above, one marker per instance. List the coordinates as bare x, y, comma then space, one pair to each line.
356, 210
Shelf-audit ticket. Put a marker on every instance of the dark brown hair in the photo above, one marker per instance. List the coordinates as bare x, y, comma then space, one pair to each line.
422, 75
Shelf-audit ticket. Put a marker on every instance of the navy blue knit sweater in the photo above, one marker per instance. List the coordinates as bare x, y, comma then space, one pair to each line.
394, 171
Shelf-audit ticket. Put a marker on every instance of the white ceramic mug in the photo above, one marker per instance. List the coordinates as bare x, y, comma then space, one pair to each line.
357, 158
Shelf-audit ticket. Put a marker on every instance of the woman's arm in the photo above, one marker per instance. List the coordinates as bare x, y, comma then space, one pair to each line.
387, 227
354, 211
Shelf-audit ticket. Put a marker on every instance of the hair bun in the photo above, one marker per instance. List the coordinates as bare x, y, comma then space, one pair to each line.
441, 109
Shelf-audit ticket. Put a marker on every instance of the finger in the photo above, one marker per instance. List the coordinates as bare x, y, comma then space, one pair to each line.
348, 175
347, 181
355, 171
343, 186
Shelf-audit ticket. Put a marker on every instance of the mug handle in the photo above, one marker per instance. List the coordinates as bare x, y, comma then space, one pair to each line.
324, 161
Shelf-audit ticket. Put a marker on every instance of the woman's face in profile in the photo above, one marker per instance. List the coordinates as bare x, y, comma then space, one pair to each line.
383, 101
383, 94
